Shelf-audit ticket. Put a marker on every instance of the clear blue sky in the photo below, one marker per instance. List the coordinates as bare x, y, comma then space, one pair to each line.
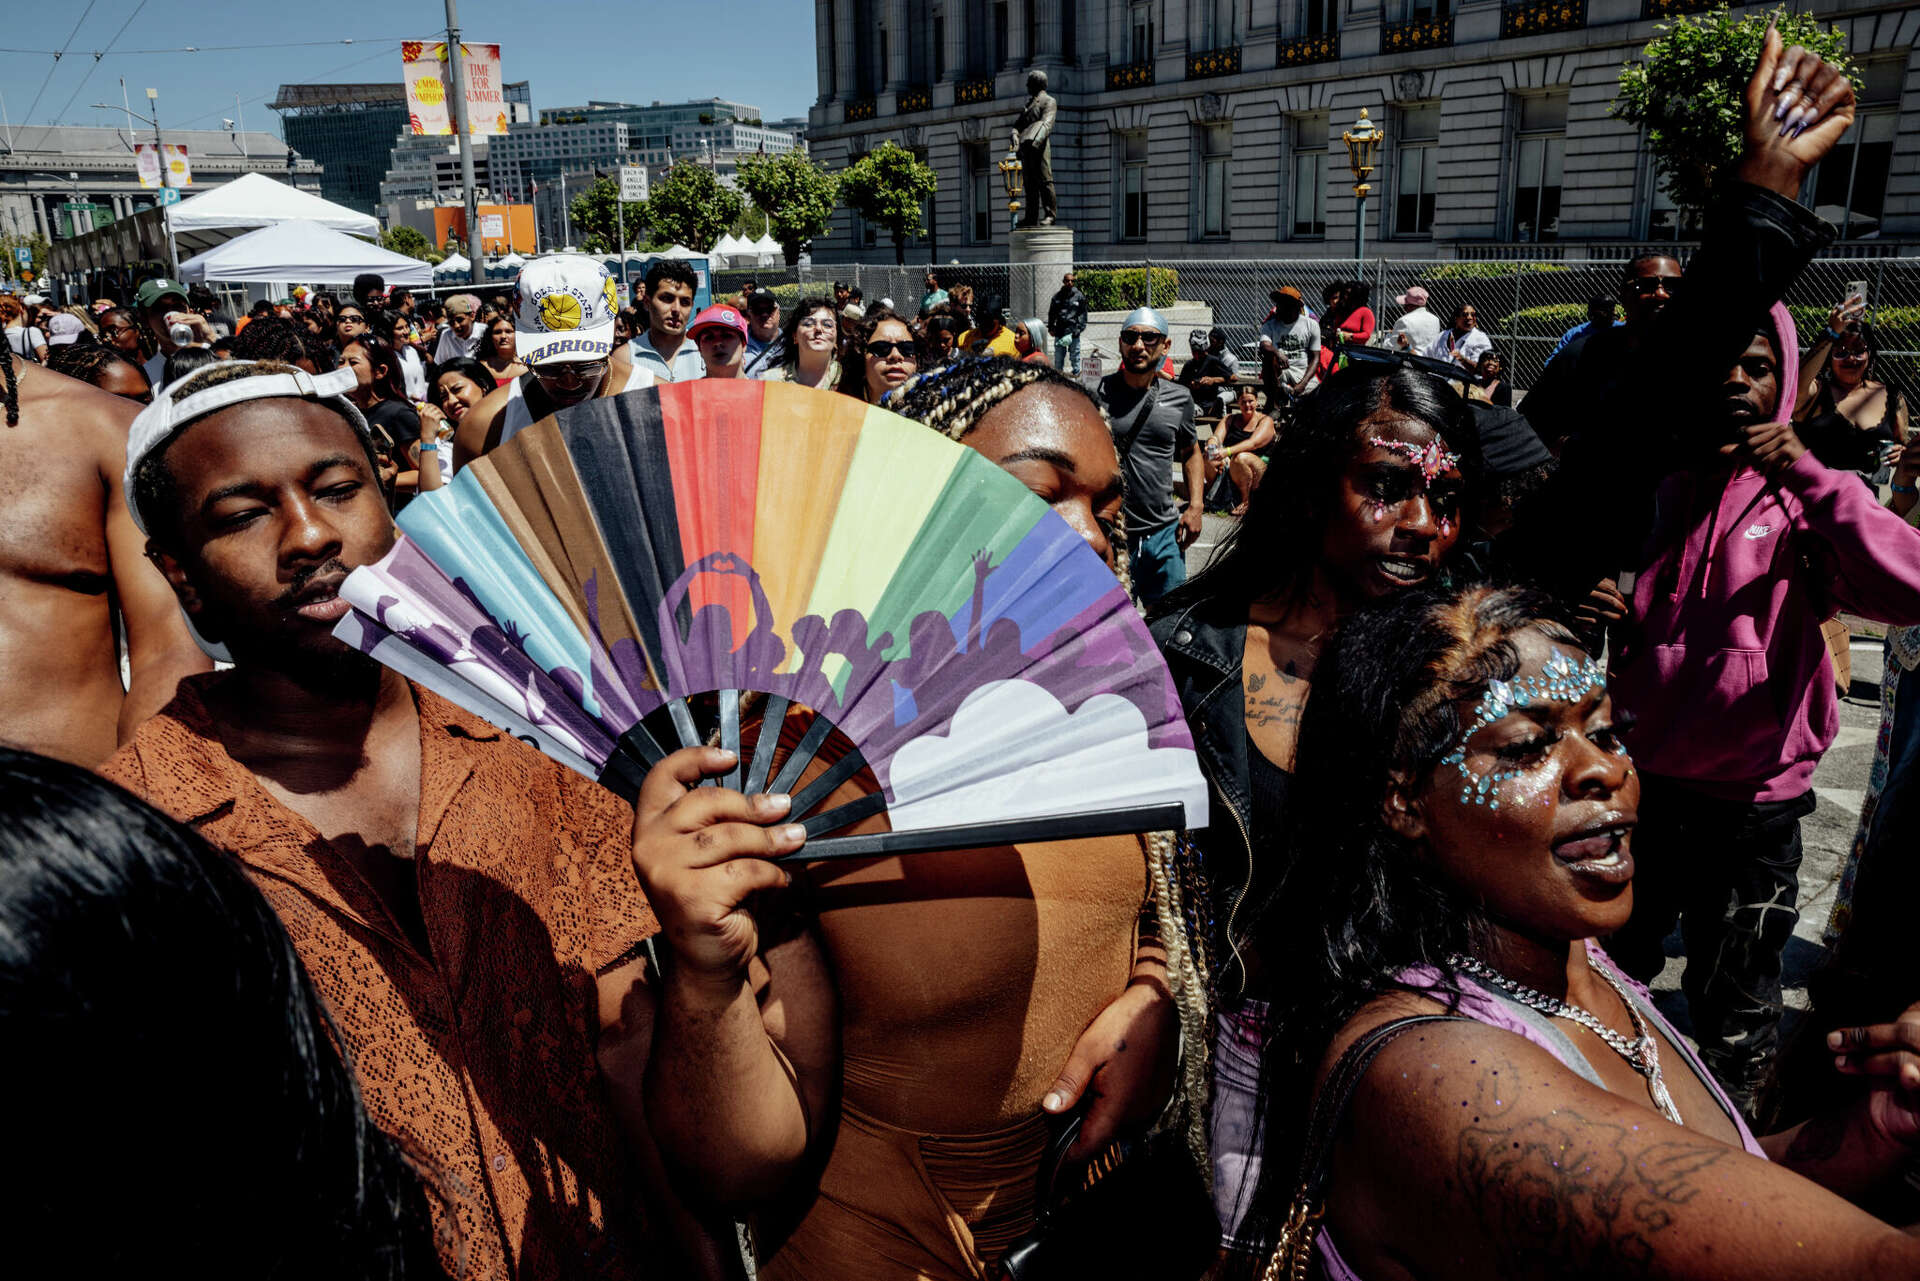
753, 51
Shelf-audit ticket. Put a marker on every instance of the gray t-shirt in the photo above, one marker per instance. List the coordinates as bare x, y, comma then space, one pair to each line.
1165, 434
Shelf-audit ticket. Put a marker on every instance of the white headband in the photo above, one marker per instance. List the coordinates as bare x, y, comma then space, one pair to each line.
163, 419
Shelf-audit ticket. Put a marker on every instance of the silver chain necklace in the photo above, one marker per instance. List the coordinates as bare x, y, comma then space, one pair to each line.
1642, 1054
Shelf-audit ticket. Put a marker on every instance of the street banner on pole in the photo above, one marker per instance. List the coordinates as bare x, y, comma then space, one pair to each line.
633, 183
424, 63
162, 165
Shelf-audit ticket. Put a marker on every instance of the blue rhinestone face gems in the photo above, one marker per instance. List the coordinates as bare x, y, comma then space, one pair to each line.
1561, 680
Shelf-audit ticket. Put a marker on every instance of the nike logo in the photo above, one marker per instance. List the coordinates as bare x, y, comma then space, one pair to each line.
1759, 531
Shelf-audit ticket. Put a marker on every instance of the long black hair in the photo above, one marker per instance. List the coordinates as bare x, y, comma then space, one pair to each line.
1271, 554
1355, 903
389, 378
164, 1041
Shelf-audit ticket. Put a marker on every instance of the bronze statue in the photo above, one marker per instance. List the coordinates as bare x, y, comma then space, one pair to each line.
1030, 141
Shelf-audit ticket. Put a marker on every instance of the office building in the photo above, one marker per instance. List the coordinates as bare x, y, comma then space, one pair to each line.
1212, 128
529, 154
350, 130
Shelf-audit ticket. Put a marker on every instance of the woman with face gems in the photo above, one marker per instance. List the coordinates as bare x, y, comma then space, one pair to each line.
1471, 835
1363, 499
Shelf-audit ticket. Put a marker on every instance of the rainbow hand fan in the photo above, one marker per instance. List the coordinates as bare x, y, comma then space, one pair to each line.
617, 575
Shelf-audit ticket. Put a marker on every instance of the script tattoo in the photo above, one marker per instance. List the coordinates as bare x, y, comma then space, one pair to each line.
1276, 700
1563, 1195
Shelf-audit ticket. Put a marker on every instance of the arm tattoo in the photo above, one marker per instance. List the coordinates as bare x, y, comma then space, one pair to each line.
1562, 1195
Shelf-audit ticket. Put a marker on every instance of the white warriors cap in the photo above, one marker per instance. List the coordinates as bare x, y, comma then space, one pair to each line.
1145, 318
564, 306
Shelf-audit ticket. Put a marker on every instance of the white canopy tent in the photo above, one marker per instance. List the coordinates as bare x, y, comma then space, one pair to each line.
303, 252
456, 268
771, 254
255, 200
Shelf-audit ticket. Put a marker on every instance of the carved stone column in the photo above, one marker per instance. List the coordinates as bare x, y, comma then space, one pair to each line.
823, 49
898, 62
846, 47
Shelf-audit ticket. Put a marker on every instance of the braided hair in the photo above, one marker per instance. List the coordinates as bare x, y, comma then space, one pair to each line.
86, 361
954, 399
10, 393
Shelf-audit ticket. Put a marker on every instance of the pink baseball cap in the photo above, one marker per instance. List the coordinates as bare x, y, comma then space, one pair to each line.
1414, 297
721, 316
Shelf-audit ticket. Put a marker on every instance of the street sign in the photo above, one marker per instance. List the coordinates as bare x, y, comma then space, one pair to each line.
633, 184
169, 195
23, 255
70, 207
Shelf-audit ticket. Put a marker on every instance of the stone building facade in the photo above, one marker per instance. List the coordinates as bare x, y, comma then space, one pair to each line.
1211, 128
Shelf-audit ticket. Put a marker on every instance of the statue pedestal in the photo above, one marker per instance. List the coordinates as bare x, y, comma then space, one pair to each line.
1040, 256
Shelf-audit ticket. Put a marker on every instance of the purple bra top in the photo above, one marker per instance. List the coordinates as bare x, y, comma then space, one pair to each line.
1485, 1005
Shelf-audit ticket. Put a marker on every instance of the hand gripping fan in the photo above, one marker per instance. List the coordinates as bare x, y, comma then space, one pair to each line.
617, 575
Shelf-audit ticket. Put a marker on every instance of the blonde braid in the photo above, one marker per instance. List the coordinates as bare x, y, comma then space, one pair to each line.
1189, 982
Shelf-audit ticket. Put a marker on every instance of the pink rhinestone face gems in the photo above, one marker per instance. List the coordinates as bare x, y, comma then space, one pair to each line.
1431, 458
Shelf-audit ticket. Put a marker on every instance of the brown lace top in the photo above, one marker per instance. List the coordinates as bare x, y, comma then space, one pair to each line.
479, 1054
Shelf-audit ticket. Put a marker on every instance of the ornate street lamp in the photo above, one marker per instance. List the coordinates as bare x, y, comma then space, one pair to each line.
1016, 186
1361, 141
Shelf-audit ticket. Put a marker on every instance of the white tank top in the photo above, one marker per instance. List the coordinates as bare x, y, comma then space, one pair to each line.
517, 416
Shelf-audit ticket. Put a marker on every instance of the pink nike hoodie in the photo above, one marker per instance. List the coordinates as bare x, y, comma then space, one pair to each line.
1722, 662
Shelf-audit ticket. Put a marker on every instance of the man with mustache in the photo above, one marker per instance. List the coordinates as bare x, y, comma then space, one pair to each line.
467, 909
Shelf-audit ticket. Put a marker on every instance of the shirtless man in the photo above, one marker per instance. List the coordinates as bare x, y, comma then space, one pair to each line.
563, 327
68, 552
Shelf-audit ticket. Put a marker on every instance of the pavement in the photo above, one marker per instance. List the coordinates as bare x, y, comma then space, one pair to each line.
1839, 787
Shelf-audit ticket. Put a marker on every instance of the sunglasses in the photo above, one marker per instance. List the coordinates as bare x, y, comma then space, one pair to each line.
571, 371
1645, 286
880, 349
1140, 337
345, 316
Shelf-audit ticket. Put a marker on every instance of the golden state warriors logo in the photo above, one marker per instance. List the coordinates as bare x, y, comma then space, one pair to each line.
560, 312
613, 297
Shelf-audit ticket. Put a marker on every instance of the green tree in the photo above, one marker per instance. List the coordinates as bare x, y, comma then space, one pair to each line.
1689, 91
796, 195
596, 224
690, 206
750, 225
887, 187
412, 243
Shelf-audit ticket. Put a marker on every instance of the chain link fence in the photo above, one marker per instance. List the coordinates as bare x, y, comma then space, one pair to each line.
1524, 305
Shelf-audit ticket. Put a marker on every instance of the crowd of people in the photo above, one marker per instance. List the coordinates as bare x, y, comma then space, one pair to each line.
1489, 699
